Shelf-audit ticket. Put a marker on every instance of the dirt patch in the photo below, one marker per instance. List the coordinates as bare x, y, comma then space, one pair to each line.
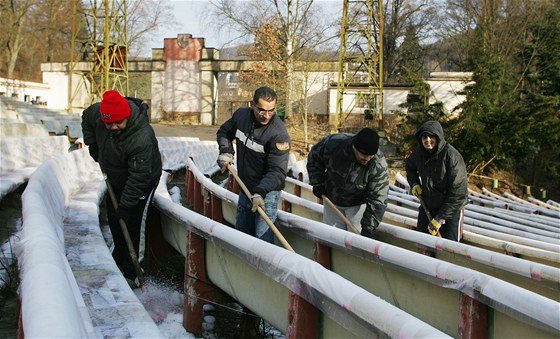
200, 131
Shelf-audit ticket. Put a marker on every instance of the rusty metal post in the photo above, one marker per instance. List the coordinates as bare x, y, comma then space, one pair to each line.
198, 206
157, 246
216, 209
195, 284
189, 187
286, 206
303, 318
473, 319
322, 255
297, 189
20, 334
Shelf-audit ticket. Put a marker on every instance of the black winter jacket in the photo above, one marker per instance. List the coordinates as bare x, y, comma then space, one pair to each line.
262, 150
443, 174
332, 163
131, 160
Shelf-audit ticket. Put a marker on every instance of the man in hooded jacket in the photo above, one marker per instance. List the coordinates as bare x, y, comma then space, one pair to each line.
436, 173
124, 144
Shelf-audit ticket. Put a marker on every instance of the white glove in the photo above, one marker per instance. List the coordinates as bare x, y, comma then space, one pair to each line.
257, 201
224, 159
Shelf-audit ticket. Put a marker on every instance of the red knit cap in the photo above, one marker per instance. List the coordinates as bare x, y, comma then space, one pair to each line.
114, 107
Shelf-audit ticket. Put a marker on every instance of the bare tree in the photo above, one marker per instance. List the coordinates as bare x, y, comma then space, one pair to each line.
298, 23
403, 17
14, 17
143, 20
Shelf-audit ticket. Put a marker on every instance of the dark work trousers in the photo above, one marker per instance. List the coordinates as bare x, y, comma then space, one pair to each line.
136, 227
452, 229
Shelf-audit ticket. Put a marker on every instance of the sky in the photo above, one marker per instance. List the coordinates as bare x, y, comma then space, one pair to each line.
193, 19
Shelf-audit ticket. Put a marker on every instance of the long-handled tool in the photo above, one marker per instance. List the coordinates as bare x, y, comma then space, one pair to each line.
340, 215
355, 230
428, 214
126, 235
260, 210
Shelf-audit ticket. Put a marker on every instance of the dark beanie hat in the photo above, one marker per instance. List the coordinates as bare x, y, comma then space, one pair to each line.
366, 141
114, 107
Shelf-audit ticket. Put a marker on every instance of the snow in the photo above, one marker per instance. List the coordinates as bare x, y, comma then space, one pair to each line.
53, 298
54, 295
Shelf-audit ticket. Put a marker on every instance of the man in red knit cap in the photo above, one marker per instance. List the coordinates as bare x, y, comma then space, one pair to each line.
124, 144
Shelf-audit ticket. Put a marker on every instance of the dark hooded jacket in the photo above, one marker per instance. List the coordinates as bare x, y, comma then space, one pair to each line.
262, 150
131, 160
332, 163
443, 174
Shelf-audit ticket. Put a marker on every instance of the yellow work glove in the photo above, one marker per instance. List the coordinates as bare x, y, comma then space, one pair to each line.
434, 225
416, 190
257, 201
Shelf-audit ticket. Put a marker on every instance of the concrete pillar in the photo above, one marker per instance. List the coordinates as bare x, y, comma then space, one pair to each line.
208, 93
157, 95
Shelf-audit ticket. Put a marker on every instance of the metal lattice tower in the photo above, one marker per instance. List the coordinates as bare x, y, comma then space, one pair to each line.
360, 72
99, 48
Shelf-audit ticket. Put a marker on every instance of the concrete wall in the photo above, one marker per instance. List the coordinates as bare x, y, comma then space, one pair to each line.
185, 86
24, 90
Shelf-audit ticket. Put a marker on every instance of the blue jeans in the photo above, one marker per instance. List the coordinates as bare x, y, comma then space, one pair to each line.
251, 222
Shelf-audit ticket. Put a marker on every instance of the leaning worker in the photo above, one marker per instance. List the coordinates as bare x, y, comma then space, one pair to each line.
124, 144
351, 171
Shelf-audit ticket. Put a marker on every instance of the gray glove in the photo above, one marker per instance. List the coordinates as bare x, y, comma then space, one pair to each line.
257, 201
224, 159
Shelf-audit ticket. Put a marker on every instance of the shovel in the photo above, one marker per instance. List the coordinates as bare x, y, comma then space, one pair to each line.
261, 211
126, 235
355, 230
340, 215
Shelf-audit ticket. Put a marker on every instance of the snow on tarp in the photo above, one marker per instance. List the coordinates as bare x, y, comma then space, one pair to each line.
52, 301
52, 305
506, 297
351, 306
21, 156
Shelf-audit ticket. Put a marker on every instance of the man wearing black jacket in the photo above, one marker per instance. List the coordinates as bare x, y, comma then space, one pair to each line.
263, 147
124, 144
436, 173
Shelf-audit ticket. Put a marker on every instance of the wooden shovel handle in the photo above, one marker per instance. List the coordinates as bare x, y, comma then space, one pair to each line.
428, 214
126, 235
340, 215
261, 211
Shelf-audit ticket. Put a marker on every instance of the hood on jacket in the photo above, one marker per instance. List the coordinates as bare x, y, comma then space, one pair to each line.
431, 127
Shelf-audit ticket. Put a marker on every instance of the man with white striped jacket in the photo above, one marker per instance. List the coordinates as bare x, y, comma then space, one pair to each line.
263, 147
